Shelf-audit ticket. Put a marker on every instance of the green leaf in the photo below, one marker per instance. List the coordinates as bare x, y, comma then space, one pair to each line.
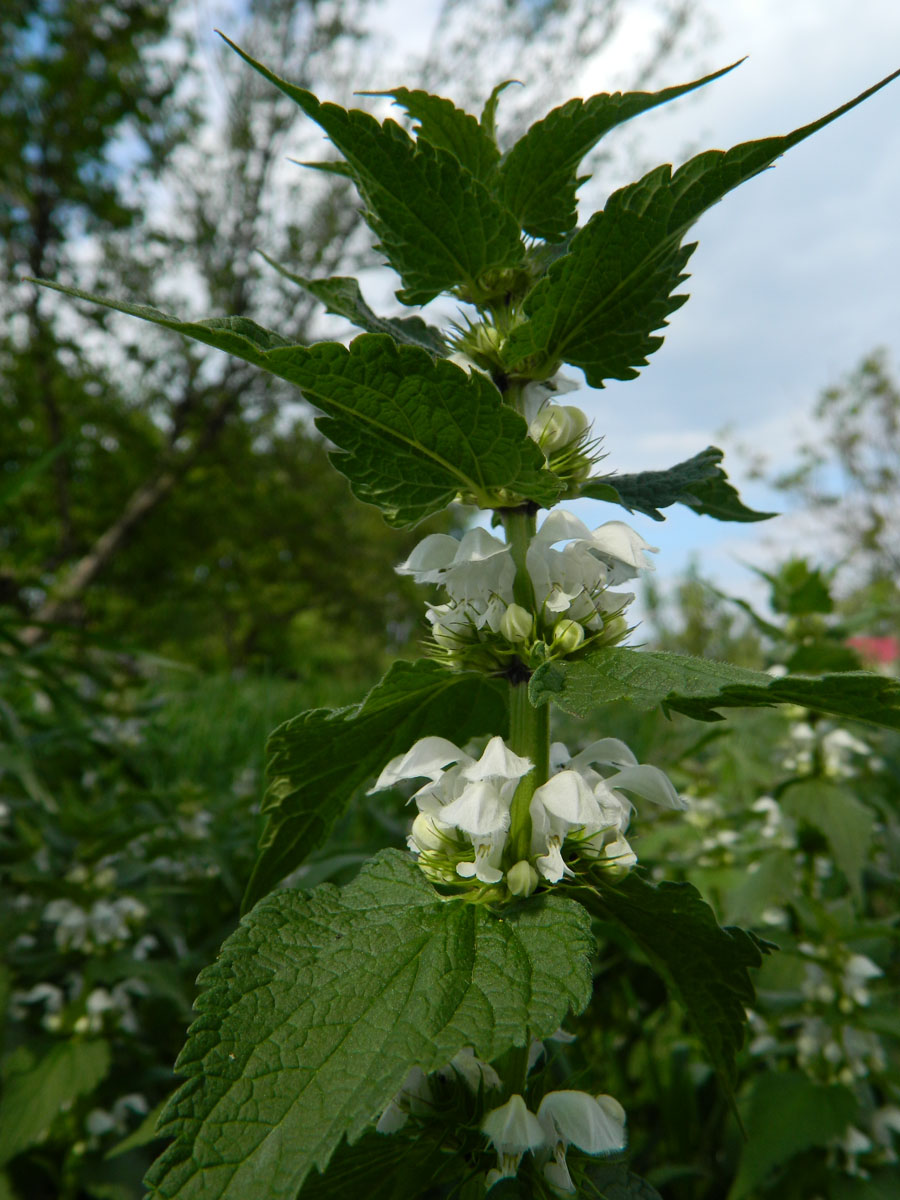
378, 1167
319, 1005
772, 882
844, 822
142, 1136
698, 482
705, 966
442, 124
599, 304
815, 658
36, 1090
881, 1184
616, 1182
438, 224
489, 112
341, 295
785, 1114
698, 687
411, 433
21, 479
317, 760
538, 175
798, 589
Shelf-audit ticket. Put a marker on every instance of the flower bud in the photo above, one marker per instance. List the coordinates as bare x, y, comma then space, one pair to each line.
428, 833
516, 624
556, 425
522, 878
614, 629
567, 636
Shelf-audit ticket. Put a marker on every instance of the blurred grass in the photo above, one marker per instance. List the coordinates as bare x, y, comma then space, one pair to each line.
208, 729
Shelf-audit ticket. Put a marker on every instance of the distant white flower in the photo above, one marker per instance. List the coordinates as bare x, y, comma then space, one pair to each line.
858, 971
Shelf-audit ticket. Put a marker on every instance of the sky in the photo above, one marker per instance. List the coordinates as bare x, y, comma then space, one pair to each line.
793, 281
794, 278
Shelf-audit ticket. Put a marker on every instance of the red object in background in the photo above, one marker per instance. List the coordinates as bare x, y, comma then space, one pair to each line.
882, 650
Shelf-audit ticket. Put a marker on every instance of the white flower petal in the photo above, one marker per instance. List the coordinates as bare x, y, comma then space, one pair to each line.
512, 1129
551, 864
568, 800
605, 750
649, 782
560, 525
479, 811
473, 1071
594, 1125
557, 1175
430, 558
498, 760
624, 549
426, 759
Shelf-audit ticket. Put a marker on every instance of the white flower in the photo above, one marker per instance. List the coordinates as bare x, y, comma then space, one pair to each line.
592, 809
463, 796
513, 1131
473, 1071
414, 1099
650, 783
563, 803
427, 759
473, 569
537, 396
858, 970
570, 583
595, 1125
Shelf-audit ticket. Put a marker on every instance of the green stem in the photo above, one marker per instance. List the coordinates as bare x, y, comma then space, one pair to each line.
520, 525
529, 735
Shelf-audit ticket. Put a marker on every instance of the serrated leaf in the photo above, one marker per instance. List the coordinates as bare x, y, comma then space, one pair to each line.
699, 483
411, 433
438, 224
36, 1090
698, 687
836, 813
378, 1167
538, 175
319, 1005
341, 295
489, 112
317, 760
598, 306
441, 123
705, 965
785, 1114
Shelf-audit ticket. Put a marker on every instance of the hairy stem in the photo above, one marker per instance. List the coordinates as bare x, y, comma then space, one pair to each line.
529, 735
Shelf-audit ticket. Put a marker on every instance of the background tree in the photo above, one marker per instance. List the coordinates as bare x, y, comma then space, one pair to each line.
153, 425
